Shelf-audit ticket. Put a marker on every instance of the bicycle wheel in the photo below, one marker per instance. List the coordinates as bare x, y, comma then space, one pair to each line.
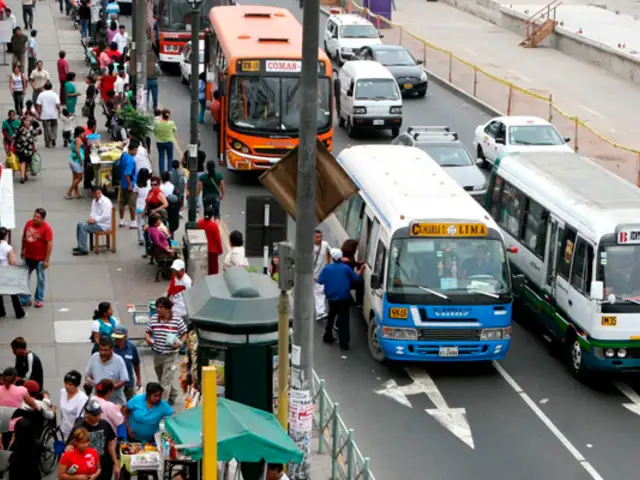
52, 448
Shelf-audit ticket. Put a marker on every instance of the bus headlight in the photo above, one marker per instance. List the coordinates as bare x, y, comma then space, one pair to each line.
609, 352
622, 353
238, 145
394, 333
495, 333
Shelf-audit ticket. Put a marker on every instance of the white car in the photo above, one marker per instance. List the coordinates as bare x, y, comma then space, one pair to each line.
185, 62
503, 135
346, 33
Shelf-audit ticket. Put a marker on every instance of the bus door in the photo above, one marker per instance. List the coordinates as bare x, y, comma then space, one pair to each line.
373, 229
379, 269
554, 236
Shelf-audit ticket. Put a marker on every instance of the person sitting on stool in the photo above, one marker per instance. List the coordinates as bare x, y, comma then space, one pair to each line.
99, 221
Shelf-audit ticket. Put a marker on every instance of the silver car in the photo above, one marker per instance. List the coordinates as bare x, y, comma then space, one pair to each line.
441, 144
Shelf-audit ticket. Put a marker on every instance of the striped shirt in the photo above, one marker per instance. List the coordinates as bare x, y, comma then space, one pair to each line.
161, 331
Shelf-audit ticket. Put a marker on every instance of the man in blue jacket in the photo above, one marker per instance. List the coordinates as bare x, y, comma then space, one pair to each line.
337, 279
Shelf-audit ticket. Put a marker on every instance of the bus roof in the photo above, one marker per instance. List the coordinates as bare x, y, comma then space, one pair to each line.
576, 188
403, 184
256, 31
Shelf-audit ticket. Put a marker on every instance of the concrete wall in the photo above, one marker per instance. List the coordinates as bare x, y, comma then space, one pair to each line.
488, 10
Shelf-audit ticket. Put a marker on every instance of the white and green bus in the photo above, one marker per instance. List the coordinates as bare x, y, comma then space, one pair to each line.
577, 229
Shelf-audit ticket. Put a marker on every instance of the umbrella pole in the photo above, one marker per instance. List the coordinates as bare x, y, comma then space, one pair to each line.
209, 423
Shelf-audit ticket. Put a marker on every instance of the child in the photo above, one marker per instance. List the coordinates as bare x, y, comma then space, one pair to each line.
68, 124
142, 189
30, 109
235, 258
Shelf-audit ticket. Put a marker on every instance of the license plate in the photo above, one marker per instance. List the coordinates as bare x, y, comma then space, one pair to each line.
408, 86
378, 122
243, 165
448, 352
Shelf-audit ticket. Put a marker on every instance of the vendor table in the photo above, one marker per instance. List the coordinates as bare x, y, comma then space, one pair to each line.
102, 164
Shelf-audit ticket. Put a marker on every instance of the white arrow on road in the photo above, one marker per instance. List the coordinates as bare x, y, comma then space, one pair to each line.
631, 394
453, 419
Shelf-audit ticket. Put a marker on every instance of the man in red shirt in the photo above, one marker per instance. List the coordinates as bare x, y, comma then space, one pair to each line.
214, 242
37, 244
63, 69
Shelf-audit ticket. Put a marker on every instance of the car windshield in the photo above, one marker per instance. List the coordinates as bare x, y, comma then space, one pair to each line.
619, 269
358, 31
272, 104
393, 57
377, 89
175, 15
448, 155
535, 135
447, 265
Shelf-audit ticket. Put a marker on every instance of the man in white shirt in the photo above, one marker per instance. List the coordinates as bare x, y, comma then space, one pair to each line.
48, 106
121, 38
32, 52
180, 282
141, 157
321, 257
38, 79
99, 221
121, 84
11, 16
95, 18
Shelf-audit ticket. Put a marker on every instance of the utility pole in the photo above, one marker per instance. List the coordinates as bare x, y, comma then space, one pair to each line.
140, 45
303, 299
286, 269
193, 141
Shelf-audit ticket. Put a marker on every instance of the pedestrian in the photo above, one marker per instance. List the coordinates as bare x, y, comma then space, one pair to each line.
180, 283
19, 45
63, 69
145, 411
216, 107
72, 401
111, 412
27, 13
236, 256
38, 78
113, 11
68, 125
349, 248
71, 93
166, 333
178, 180
156, 201
8, 257
13, 396
321, 257
142, 155
211, 186
25, 146
121, 85
104, 364
76, 162
113, 30
18, 88
28, 365
101, 438
48, 106
153, 72
10, 127
95, 19
129, 353
122, 39
202, 95
82, 459
32, 52
165, 132
114, 54
214, 242
165, 183
126, 195
9, 15
103, 324
337, 279
141, 190
99, 221
104, 60
24, 449
91, 94
37, 244
84, 13
275, 471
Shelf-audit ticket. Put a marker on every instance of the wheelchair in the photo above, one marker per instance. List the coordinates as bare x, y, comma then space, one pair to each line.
48, 431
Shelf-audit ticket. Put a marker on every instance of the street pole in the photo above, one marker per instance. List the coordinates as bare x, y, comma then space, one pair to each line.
209, 423
285, 282
193, 147
140, 20
303, 304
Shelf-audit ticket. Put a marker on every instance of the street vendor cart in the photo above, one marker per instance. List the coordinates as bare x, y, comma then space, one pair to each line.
103, 157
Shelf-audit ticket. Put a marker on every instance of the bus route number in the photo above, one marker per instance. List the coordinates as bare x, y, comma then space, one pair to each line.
399, 313
609, 321
250, 65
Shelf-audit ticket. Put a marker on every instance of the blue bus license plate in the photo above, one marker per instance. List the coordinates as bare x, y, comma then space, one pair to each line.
448, 352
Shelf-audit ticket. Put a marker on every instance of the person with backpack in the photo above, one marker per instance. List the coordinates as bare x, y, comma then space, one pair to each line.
104, 324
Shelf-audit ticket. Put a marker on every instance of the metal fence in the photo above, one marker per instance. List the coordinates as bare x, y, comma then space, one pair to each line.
347, 462
507, 97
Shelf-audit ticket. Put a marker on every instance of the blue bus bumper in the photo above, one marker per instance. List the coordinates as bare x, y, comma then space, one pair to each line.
417, 351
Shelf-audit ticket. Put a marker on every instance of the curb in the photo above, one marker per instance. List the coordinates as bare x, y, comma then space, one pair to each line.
438, 80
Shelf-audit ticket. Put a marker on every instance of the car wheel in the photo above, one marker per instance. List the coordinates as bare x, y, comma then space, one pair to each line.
351, 130
373, 342
480, 156
395, 131
184, 80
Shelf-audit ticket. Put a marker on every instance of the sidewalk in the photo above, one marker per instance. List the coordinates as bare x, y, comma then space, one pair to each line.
603, 101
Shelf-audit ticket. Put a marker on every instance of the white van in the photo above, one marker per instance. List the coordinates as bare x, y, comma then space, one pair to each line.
368, 97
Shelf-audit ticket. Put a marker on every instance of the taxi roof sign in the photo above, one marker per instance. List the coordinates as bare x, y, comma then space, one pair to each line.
420, 229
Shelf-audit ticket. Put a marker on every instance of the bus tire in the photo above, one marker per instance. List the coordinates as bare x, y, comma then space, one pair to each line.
575, 356
374, 343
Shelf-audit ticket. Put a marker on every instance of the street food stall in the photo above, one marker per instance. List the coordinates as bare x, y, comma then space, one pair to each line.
103, 156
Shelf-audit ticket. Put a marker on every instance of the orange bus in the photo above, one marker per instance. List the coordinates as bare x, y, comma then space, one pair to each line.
253, 59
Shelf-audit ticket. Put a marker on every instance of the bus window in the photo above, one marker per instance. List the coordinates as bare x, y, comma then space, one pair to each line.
535, 228
580, 272
365, 237
496, 196
356, 207
373, 238
255, 103
342, 212
512, 209
381, 255
566, 252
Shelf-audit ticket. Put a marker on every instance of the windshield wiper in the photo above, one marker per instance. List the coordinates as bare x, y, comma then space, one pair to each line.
425, 289
474, 290
627, 299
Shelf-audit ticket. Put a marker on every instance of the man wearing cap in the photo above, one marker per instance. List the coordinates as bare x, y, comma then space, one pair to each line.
104, 364
337, 279
101, 438
129, 353
180, 282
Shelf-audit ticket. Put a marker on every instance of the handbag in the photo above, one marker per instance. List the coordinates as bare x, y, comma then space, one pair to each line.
86, 111
36, 163
12, 162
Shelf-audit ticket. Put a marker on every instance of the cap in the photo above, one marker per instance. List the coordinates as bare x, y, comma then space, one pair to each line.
120, 332
177, 265
32, 387
93, 407
336, 254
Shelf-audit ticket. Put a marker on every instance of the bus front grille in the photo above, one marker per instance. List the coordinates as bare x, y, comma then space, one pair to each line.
449, 334
280, 152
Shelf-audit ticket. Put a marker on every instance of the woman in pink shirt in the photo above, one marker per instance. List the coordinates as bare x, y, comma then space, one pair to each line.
104, 59
110, 411
12, 396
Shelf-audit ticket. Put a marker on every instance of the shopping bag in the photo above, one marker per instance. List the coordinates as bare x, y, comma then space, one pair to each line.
12, 162
36, 164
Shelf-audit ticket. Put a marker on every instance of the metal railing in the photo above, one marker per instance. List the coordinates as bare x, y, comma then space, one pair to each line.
545, 13
347, 462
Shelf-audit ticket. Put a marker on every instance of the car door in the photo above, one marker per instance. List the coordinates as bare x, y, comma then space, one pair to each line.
185, 61
489, 140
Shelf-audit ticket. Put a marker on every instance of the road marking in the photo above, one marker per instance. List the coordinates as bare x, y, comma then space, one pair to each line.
548, 423
526, 79
593, 112
453, 419
468, 50
632, 395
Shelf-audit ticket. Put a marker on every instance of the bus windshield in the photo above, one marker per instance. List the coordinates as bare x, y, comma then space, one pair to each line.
175, 15
272, 104
619, 269
447, 265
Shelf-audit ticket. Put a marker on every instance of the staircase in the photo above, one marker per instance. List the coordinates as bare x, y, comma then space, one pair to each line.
540, 25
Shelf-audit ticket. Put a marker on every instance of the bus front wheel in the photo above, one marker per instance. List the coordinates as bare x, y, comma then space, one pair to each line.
374, 342
575, 356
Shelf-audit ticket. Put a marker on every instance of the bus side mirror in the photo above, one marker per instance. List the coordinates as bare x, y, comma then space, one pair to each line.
597, 291
518, 282
376, 281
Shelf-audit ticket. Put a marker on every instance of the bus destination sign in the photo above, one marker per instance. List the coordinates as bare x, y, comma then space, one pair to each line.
448, 230
289, 66
629, 236
283, 66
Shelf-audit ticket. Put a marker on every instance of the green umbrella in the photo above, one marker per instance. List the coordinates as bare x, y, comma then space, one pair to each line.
245, 434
